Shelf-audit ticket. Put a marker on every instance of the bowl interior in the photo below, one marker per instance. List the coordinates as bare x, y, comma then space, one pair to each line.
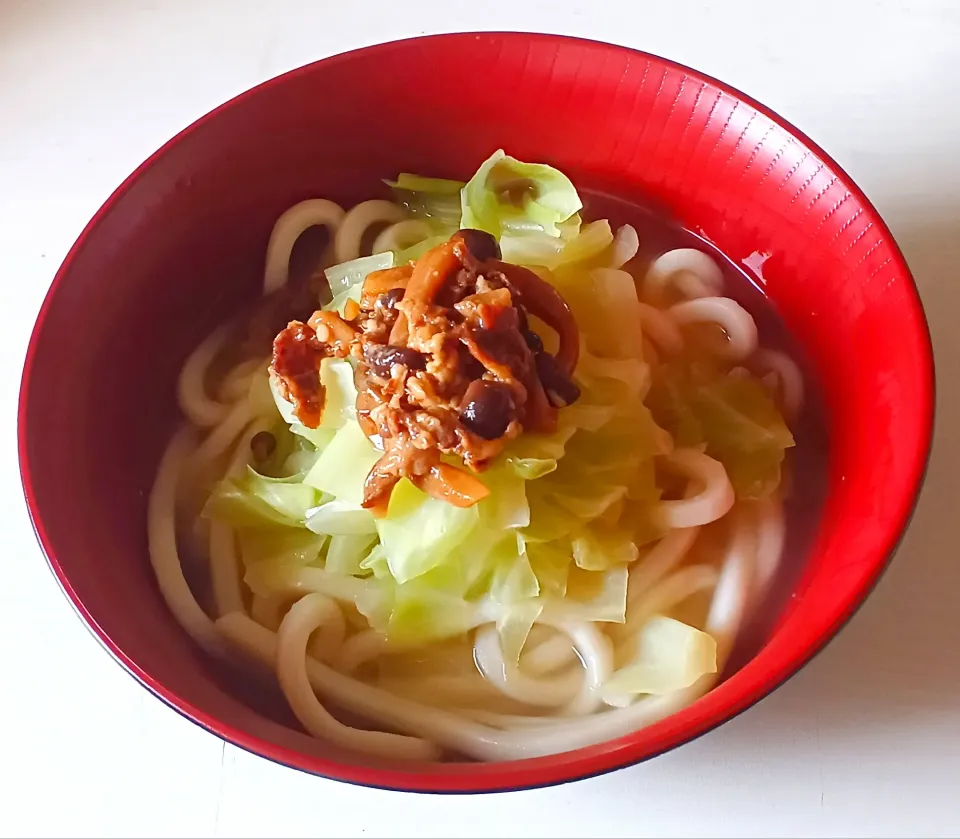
182, 243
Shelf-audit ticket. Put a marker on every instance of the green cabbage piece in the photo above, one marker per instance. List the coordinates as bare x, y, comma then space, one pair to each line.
346, 278
347, 553
669, 656
340, 518
344, 464
347, 275
436, 200
734, 417
597, 551
339, 302
592, 596
531, 248
581, 249
591, 241
254, 500
336, 376
550, 563
422, 611
420, 532
417, 183
607, 311
420, 248
273, 544
507, 195
514, 624
531, 468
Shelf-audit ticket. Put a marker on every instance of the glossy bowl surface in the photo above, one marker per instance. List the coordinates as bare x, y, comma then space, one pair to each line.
181, 243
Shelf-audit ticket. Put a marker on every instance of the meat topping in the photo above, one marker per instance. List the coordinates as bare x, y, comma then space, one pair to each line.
445, 364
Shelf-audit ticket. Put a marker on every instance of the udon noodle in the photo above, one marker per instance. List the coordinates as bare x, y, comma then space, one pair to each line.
716, 553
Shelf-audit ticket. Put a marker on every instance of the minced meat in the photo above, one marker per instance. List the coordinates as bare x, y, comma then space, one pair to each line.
445, 364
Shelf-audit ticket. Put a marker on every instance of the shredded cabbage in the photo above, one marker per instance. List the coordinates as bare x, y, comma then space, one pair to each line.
340, 518
436, 200
734, 417
567, 511
255, 500
592, 596
344, 464
508, 196
346, 275
339, 407
420, 532
347, 552
420, 248
417, 183
279, 545
670, 656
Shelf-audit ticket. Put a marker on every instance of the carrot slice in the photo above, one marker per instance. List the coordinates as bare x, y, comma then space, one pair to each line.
380, 282
431, 271
453, 485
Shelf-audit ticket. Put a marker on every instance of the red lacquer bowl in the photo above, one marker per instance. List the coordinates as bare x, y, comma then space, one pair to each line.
181, 244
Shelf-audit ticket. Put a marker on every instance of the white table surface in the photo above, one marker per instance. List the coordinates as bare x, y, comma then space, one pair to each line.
865, 741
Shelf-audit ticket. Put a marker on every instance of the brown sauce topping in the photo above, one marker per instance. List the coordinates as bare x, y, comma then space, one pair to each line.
445, 365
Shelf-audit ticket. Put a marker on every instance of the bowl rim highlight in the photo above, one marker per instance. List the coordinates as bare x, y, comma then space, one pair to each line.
535, 772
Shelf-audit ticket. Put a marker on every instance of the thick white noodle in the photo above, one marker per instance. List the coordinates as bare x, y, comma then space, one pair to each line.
196, 405
360, 648
346, 243
736, 322
402, 235
327, 640
788, 377
548, 656
723, 621
315, 212
294, 579
388, 709
268, 611
567, 734
224, 562
224, 569
510, 680
449, 730
236, 384
733, 589
660, 560
661, 329
691, 272
663, 596
505, 722
593, 648
222, 436
162, 544
626, 243
484, 743
712, 502
440, 691
771, 535
295, 630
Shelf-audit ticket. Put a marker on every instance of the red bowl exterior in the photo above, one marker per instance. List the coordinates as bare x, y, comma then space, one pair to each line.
181, 243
